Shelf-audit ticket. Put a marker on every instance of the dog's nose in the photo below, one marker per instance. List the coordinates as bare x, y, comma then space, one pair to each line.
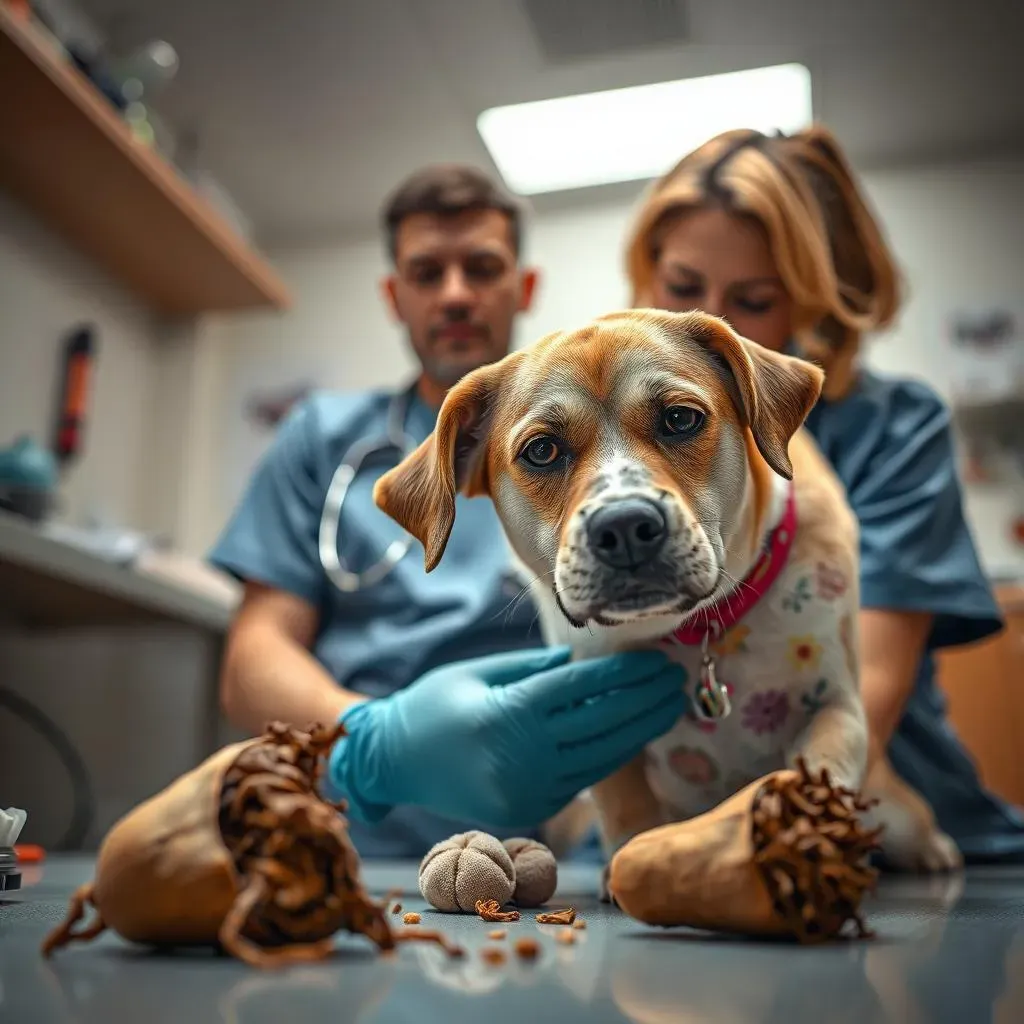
628, 533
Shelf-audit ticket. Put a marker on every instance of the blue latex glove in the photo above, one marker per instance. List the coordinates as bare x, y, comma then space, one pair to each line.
506, 740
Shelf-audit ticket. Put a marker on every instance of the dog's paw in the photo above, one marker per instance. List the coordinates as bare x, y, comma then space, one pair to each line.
932, 853
939, 854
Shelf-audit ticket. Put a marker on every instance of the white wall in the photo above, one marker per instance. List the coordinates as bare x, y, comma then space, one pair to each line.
46, 288
956, 230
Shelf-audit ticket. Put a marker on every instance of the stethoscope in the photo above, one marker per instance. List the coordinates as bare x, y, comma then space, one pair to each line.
395, 439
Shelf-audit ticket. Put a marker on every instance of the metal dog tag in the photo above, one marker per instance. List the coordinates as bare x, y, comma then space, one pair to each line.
710, 699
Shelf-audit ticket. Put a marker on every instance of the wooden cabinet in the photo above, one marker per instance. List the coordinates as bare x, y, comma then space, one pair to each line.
71, 158
984, 684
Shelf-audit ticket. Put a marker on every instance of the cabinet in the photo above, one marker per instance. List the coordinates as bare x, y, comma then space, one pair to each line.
70, 158
984, 684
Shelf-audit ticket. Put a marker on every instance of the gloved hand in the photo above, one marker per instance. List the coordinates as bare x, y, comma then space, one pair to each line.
505, 740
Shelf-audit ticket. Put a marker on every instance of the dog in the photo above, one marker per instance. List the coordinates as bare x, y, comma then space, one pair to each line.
655, 481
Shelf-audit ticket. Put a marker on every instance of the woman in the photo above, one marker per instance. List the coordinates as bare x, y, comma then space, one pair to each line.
774, 235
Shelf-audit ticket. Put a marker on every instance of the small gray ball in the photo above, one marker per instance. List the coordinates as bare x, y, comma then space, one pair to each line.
468, 867
536, 872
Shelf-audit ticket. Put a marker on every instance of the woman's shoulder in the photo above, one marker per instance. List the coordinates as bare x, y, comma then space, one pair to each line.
881, 411
891, 397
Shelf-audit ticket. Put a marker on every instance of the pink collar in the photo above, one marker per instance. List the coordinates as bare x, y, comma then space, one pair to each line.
720, 617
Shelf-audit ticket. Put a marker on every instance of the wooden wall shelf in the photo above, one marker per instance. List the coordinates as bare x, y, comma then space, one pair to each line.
67, 154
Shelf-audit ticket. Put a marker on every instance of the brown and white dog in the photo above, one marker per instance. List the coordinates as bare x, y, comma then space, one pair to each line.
652, 476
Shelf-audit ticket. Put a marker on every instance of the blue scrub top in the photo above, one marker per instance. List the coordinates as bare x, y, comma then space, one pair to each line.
388, 634
891, 445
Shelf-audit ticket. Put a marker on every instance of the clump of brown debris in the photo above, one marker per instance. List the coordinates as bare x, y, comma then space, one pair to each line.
813, 853
490, 910
243, 853
493, 956
567, 916
293, 849
787, 855
527, 948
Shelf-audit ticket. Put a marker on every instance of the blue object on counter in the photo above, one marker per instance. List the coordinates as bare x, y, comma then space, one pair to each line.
28, 479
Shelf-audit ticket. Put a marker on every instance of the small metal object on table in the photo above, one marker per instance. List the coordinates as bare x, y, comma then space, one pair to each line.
10, 873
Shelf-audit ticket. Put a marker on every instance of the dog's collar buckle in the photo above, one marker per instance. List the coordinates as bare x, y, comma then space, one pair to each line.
710, 699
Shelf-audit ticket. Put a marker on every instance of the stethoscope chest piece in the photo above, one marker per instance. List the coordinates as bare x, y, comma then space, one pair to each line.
340, 575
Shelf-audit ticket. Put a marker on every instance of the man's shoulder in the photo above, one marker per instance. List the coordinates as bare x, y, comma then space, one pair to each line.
328, 416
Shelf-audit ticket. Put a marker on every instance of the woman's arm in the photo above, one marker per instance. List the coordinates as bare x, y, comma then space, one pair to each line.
891, 646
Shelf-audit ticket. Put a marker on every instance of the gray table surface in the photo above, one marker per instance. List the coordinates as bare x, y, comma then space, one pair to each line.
946, 950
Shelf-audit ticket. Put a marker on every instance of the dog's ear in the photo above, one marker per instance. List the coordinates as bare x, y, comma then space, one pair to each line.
419, 493
775, 392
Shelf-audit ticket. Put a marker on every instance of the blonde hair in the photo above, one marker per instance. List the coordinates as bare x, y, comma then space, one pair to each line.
829, 249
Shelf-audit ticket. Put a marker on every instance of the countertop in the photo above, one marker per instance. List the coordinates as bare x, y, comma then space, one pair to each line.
945, 950
47, 582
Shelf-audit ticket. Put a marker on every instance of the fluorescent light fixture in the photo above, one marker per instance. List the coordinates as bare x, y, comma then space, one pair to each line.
636, 133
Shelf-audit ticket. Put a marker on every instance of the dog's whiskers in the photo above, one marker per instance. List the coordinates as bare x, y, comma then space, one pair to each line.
513, 606
737, 584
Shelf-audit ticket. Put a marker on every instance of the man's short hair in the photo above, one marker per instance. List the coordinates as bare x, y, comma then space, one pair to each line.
449, 189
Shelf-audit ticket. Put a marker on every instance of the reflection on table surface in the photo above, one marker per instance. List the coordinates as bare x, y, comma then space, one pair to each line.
946, 949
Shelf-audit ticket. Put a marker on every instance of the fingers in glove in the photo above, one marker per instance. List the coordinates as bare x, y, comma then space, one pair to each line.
609, 712
515, 666
557, 690
584, 764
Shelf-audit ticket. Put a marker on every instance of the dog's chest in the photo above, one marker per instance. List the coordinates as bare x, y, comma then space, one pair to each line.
779, 665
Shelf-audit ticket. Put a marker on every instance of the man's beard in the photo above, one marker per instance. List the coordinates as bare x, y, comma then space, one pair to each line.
447, 370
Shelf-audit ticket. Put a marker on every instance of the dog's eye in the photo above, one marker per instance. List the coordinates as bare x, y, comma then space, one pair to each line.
541, 452
681, 420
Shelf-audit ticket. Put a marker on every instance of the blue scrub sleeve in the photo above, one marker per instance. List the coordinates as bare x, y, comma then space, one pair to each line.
272, 536
917, 552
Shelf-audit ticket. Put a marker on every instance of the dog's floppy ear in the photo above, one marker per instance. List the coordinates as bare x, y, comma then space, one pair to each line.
419, 493
775, 391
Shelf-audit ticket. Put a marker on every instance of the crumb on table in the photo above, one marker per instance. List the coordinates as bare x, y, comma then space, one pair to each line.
527, 948
492, 955
397, 908
490, 910
497, 935
411, 918
566, 937
579, 924
567, 916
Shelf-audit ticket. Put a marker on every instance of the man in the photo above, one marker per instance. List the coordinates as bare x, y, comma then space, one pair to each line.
456, 719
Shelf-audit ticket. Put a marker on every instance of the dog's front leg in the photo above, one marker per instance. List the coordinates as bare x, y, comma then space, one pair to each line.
626, 806
836, 739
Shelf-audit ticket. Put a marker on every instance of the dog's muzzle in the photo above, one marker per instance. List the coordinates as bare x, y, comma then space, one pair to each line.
628, 533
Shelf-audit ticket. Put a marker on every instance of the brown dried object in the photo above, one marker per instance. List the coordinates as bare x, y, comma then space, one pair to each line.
411, 918
490, 910
492, 955
786, 856
241, 853
558, 917
527, 948
497, 935
396, 909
